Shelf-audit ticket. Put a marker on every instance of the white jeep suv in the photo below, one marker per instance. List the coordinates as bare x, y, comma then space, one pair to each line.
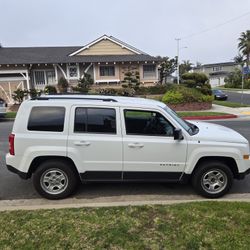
60, 140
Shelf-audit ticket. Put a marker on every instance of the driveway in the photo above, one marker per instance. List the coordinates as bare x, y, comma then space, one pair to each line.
12, 187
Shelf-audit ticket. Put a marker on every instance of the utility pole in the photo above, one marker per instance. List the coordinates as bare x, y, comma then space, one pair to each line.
178, 51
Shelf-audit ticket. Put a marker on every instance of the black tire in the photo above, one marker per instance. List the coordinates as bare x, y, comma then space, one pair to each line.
55, 179
212, 179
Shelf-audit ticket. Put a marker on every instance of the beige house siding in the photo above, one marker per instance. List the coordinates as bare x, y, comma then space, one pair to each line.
106, 47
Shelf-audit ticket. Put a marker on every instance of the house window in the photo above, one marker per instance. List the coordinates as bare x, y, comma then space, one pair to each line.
73, 71
107, 71
218, 68
44, 77
149, 71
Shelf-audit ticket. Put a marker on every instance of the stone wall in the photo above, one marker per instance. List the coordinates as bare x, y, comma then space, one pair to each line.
194, 106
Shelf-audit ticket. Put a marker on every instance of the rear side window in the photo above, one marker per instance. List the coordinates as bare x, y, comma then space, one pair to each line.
95, 120
47, 119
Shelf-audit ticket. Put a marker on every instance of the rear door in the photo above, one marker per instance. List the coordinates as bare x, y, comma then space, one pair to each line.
95, 142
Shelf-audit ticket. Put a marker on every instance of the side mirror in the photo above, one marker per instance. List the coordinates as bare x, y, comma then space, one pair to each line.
6, 105
178, 134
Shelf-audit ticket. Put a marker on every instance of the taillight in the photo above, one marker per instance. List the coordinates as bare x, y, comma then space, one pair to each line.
11, 144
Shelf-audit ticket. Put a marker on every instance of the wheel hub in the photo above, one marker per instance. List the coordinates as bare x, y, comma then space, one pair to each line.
54, 181
214, 181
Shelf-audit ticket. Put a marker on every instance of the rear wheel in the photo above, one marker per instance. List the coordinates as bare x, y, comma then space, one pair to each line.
55, 179
212, 179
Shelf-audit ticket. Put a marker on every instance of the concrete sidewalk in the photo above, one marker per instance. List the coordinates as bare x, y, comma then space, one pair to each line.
123, 200
245, 111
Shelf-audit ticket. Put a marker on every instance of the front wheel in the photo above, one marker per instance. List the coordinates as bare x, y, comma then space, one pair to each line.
212, 179
55, 179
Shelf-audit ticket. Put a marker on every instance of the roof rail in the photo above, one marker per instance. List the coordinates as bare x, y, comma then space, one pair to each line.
73, 98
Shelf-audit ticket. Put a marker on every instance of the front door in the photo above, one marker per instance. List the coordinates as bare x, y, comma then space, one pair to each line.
95, 142
149, 149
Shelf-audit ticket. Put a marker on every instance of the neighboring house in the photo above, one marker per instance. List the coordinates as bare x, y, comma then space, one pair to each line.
217, 72
106, 59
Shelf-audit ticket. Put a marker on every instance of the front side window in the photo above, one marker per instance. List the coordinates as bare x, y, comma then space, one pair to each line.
149, 71
147, 123
95, 120
107, 71
46, 119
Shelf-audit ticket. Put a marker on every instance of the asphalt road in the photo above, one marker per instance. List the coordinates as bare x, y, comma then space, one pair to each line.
12, 187
236, 97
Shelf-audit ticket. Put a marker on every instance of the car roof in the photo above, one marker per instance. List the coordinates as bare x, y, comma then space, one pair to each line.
99, 99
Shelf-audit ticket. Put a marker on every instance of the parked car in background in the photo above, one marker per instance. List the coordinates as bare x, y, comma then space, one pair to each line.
3, 107
219, 95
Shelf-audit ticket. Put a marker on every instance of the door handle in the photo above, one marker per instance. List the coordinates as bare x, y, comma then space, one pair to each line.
136, 145
81, 143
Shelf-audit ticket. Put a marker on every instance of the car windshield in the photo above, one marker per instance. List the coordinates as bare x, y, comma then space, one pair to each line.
218, 91
188, 126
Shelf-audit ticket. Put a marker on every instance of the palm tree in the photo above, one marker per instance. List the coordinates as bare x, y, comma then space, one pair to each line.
185, 67
244, 45
239, 59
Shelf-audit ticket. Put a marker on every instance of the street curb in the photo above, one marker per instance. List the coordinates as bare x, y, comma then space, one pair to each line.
210, 117
7, 119
39, 204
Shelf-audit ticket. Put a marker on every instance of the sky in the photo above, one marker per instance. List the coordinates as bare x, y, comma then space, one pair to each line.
149, 25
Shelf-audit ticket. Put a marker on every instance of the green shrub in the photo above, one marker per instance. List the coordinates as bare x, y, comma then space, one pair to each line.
108, 91
63, 85
122, 92
181, 94
247, 84
50, 90
198, 81
199, 78
19, 95
207, 98
154, 90
84, 84
173, 97
34, 93
234, 79
190, 83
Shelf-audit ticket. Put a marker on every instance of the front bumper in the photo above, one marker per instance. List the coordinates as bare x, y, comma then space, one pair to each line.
241, 176
16, 171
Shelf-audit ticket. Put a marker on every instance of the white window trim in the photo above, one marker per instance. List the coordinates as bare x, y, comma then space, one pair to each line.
99, 70
45, 78
155, 77
78, 72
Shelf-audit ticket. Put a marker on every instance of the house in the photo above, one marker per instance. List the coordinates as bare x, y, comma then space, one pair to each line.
106, 59
217, 72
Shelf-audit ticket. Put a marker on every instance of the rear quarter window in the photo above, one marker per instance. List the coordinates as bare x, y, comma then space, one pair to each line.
47, 119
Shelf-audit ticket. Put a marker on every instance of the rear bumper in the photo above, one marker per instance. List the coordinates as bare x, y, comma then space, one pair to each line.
16, 171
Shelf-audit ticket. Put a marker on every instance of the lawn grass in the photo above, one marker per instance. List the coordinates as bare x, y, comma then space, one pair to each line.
199, 113
200, 225
10, 115
230, 104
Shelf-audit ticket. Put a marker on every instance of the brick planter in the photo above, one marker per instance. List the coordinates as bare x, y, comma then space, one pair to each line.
193, 106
